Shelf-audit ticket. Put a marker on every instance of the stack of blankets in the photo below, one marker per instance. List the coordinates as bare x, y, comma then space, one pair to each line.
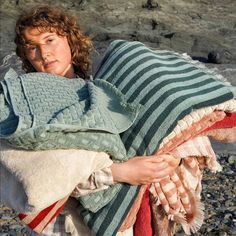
141, 102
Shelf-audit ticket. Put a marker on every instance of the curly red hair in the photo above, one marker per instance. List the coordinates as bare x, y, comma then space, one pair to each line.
46, 18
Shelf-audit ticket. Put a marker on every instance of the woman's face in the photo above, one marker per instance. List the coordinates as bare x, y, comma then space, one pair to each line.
48, 52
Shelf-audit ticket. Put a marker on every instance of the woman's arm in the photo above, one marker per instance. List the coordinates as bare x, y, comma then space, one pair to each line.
136, 171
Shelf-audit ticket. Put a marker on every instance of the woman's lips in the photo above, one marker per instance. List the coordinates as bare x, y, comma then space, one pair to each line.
48, 64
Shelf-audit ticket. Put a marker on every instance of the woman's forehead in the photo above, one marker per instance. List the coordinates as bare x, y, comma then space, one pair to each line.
31, 33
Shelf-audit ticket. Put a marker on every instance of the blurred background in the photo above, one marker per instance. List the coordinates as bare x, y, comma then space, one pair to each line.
197, 27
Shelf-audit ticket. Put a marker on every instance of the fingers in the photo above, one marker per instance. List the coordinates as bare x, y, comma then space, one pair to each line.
165, 172
173, 161
158, 175
141, 170
153, 159
161, 165
157, 169
152, 164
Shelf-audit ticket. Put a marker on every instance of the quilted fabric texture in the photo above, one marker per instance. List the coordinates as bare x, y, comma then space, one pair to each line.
43, 111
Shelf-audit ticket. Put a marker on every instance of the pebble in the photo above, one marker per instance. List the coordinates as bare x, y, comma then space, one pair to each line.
232, 159
6, 217
214, 57
228, 203
233, 231
223, 234
229, 172
16, 227
228, 216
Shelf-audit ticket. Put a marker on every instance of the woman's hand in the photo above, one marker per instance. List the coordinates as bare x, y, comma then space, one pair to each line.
144, 170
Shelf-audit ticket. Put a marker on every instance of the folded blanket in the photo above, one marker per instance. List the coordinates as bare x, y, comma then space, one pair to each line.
197, 126
33, 176
179, 193
143, 224
228, 122
167, 85
39, 221
225, 135
42, 111
159, 218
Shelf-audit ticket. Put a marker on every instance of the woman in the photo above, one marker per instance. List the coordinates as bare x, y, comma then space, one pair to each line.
49, 40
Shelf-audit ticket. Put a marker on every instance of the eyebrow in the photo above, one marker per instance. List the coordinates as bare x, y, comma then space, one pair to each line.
30, 41
52, 34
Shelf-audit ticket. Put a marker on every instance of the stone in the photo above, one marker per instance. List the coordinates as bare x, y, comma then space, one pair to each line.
6, 217
229, 203
232, 159
233, 231
223, 234
16, 227
214, 57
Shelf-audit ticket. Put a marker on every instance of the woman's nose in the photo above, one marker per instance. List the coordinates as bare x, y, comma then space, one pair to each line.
44, 51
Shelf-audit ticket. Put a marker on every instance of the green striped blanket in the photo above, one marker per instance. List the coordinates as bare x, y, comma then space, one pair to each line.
169, 86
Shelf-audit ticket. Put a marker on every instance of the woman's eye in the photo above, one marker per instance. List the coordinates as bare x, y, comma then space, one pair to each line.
31, 48
50, 40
